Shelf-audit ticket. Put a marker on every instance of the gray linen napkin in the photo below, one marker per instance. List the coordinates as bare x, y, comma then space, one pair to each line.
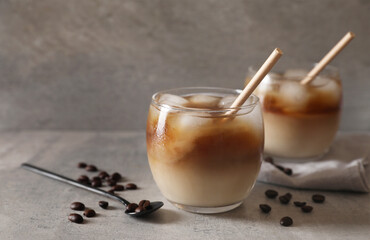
345, 167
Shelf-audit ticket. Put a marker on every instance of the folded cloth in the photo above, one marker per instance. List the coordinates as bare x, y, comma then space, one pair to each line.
335, 172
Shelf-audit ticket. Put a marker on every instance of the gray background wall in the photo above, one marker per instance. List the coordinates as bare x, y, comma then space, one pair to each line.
95, 64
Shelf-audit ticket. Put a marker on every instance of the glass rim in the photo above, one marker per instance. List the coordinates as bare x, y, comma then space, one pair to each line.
155, 102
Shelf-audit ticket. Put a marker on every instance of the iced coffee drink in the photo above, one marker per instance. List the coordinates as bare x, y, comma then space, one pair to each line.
202, 159
300, 120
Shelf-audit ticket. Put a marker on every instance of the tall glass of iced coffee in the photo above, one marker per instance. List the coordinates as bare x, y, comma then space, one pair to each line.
202, 159
300, 120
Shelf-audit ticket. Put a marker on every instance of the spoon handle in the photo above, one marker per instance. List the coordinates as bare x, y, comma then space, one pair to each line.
70, 181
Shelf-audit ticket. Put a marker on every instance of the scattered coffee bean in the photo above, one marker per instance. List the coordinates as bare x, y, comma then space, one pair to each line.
77, 206
103, 204
139, 209
299, 204
81, 165
306, 209
76, 218
269, 160
83, 179
103, 175
284, 199
265, 208
96, 178
91, 168
271, 193
286, 221
89, 213
145, 204
118, 188
131, 186
116, 176
131, 207
111, 191
288, 195
111, 182
318, 198
96, 183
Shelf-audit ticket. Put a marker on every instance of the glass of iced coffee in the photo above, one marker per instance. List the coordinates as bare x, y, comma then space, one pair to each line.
300, 120
202, 159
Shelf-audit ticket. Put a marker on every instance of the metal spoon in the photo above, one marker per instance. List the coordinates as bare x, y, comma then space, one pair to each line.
154, 205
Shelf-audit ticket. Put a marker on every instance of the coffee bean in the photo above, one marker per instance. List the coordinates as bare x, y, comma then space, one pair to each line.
91, 168
284, 199
265, 208
76, 218
81, 165
318, 198
299, 204
77, 206
83, 178
103, 175
96, 183
131, 186
286, 221
118, 188
116, 176
288, 171
139, 209
111, 182
131, 207
288, 195
269, 160
89, 213
103, 204
271, 193
145, 204
111, 191
306, 209
96, 178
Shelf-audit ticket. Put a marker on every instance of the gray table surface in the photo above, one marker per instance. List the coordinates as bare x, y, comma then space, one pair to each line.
34, 207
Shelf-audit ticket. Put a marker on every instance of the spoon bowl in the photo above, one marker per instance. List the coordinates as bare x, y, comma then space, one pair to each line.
154, 206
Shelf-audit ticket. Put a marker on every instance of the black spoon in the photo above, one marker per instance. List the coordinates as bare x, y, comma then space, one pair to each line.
154, 205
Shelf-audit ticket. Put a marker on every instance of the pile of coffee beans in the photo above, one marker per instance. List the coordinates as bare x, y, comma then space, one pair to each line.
79, 206
142, 206
287, 171
285, 199
103, 179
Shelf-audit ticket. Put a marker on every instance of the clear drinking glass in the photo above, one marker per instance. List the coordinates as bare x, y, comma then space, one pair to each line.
201, 159
300, 120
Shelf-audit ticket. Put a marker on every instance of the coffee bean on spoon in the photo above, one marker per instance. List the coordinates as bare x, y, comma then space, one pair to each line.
265, 208
139, 209
81, 165
271, 193
299, 204
145, 204
91, 168
118, 188
76, 218
131, 207
89, 213
103, 204
286, 221
306, 209
318, 198
77, 206
131, 186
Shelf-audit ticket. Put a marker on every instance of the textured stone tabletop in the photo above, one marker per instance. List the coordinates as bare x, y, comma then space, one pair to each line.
34, 207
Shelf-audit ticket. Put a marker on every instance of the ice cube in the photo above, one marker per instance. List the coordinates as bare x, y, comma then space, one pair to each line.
293, 96
295, 73
173, 100
202, 100
190, 122
226, 102
332, 92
